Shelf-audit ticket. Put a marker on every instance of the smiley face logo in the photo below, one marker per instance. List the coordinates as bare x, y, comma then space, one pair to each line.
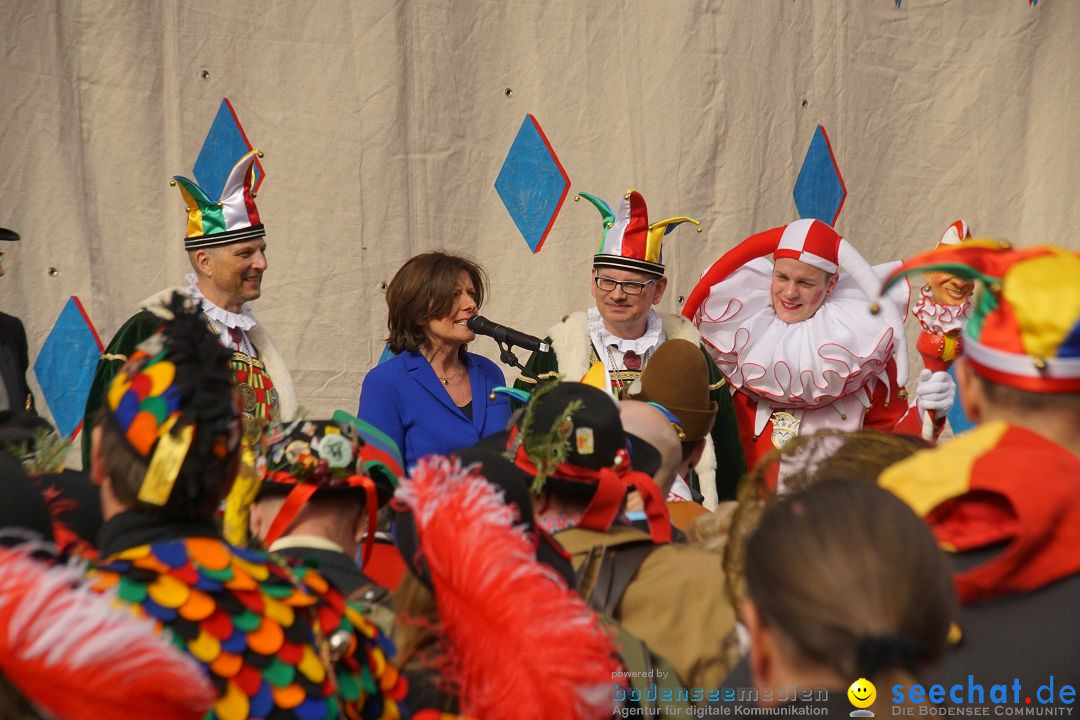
862, 693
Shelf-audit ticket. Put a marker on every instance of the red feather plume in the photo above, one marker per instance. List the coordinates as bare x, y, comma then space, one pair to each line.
68, 650
519, 643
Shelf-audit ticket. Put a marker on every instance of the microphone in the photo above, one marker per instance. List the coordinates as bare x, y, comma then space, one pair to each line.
509, 336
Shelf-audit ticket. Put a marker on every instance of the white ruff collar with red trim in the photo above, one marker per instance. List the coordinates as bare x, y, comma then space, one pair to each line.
937, 318
805, 365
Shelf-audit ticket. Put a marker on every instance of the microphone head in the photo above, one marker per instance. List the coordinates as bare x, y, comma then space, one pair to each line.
476, 323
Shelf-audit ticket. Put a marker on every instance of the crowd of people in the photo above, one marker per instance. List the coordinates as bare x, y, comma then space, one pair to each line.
666, 515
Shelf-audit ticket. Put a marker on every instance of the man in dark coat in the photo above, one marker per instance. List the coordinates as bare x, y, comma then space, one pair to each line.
14, 359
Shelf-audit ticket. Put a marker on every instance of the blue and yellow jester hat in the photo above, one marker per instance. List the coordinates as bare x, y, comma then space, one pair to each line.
1024, 328
628, 241
232, 218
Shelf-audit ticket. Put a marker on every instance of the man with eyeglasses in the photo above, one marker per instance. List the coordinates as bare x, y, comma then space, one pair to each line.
624, 329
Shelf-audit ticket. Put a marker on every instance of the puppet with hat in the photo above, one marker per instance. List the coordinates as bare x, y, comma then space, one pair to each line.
942, 307
804, 341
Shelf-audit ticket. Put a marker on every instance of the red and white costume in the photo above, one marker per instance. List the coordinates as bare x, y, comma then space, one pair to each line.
844, 367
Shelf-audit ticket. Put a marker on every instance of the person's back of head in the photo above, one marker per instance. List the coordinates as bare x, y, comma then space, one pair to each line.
571, 440
167, 440
843, 581
677, 378
651, 425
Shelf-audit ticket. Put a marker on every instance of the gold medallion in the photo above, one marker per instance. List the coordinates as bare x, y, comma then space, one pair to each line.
247, 396
785, 428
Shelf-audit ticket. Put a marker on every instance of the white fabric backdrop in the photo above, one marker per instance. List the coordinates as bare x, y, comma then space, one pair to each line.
385, 124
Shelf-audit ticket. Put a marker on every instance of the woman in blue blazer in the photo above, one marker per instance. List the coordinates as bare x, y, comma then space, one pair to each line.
434, 397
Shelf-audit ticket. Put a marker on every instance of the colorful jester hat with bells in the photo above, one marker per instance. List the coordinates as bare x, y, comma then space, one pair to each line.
332, 459
628, 241
1024, 328
232, 218
174, 399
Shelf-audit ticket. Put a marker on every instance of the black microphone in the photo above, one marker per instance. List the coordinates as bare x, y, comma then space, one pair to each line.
508, 336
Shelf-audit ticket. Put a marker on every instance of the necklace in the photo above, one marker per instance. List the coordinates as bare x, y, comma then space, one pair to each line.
446, 380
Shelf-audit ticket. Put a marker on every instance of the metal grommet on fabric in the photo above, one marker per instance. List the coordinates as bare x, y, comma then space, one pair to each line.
875, 308
205, 74
508, 92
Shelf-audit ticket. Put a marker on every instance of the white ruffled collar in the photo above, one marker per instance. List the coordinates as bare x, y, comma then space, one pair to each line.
653, 336
243, 320
937, 318
805, 365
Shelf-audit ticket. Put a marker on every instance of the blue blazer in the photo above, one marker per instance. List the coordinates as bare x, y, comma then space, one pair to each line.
404, 398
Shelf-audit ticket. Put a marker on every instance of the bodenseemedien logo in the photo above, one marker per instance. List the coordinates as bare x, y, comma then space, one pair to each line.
862, 694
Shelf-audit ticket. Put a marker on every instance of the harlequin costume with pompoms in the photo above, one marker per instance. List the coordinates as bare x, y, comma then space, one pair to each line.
275, 641
263, 633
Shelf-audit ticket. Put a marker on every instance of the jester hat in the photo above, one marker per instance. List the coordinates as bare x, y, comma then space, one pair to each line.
819, 245
955, 234
173, 402
343, 456
628, 241
233, 218
1024, 327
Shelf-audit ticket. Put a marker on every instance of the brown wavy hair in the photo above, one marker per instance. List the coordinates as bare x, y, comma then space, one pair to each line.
423, 289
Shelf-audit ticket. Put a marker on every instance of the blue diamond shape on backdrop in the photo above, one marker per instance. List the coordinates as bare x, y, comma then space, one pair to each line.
819, 190
65, 366
225, 143
532, 184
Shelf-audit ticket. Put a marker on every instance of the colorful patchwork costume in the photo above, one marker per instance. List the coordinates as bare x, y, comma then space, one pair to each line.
275, 642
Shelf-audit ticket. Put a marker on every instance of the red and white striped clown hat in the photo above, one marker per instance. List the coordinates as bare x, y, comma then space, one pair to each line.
233, 218
955, 234
819, 245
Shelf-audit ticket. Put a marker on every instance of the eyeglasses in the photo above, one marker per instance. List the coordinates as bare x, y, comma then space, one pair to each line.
630, 287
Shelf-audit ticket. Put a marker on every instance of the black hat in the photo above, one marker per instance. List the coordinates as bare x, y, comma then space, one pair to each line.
570, 441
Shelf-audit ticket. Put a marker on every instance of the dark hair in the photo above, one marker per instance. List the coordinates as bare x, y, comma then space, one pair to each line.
208, 401
423, 289
852, 577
